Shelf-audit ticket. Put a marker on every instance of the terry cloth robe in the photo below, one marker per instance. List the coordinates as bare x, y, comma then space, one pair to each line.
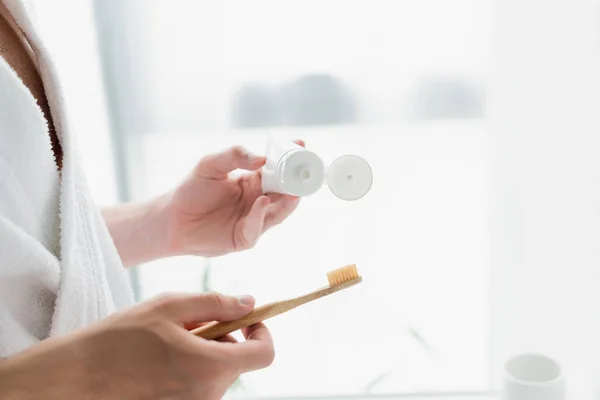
59, 268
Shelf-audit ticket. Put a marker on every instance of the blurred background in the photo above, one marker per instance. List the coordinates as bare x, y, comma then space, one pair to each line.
462, 108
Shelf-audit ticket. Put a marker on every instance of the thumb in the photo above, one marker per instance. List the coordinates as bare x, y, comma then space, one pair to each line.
218, 165
204, 307
249, 228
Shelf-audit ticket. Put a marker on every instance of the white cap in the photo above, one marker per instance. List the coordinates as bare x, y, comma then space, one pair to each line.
349, 177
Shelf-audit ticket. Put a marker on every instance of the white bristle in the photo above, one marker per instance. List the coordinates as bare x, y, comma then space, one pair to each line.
341, 275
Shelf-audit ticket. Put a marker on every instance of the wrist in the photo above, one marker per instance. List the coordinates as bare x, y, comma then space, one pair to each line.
155, 228
141, 231
162, 218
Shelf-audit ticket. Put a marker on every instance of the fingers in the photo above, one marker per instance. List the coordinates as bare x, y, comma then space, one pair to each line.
190, 308
255, 353
250, 227
258, 350
266, 212
257, 332
281, 205
218, 165
190, 326
280, 209
227, 339
194, 325
300, 142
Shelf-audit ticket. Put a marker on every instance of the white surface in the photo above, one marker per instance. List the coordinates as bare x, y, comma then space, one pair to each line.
545, 186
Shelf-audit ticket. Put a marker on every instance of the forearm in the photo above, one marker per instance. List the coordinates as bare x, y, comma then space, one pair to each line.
50, 370
140, 231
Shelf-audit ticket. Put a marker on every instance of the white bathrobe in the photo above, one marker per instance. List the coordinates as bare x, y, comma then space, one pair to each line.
59, 269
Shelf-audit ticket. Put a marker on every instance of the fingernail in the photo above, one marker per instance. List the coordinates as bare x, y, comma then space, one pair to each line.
245, 300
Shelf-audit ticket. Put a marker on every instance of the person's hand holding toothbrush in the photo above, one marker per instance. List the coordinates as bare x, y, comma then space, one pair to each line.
144, 352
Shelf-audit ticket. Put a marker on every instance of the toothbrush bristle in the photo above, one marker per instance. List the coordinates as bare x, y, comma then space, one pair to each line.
341, 275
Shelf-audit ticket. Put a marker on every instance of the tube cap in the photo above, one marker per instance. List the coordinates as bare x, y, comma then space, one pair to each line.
350, 177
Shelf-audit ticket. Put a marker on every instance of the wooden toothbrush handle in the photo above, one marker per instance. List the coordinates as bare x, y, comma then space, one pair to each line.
215, 330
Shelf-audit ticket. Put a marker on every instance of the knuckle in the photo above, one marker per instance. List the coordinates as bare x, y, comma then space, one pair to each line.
165, 301
238, 155
216, 300
244, 244
238, 151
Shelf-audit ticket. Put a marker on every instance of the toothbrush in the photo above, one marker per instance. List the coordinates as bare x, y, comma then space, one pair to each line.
339, 279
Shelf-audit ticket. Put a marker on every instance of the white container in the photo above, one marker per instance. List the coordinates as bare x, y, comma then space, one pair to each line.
292, 169
533, 377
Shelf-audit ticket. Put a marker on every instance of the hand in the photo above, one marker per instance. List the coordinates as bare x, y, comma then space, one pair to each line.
212, 213
142, 353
